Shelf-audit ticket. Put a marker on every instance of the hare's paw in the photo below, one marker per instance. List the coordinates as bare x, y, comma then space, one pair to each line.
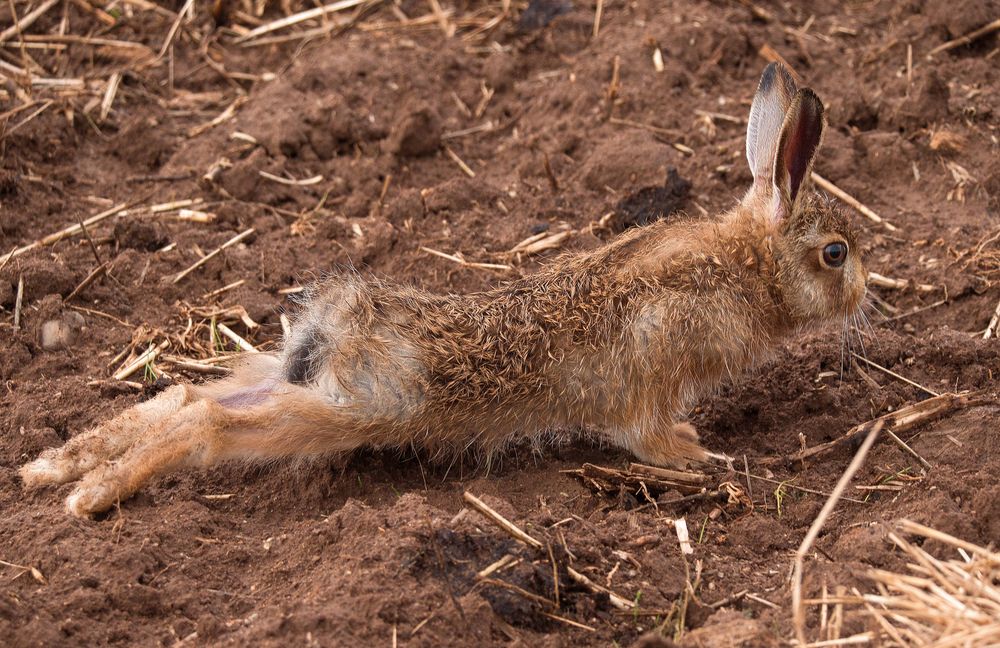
674, 446
106, 442
45, 470
75, 458
92, 495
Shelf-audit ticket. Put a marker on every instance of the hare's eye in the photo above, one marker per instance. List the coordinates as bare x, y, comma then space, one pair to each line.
834, 254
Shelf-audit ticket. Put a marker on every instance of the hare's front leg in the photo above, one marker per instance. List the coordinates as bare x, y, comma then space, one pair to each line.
107, 441
671, 445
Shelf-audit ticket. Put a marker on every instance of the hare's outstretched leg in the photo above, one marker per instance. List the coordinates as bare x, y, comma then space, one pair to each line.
289, 421
108, 440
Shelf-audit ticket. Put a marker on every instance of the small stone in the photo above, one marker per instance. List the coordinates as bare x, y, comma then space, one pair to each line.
56, 334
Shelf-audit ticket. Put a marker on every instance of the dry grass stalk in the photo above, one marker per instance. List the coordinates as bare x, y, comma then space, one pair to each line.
27, 20
941, 603
293, 183
611, 480
968, 38
109, 95
18, 300
147, 357
72, 230
991, 328
910, 451
466, 169
798, 608
518, 534
758, 12
194, 366
616, 600
842, 195
683, 537
227, 287
875, 279
539, 243
468, 264
205, 259
598, 12
224, 116
242, 344
903, 419
34, 571
894, 374
512, 529
569, 622
506, 561
89, 279
299, 17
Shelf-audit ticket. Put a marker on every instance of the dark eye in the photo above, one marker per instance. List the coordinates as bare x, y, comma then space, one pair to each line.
834, 254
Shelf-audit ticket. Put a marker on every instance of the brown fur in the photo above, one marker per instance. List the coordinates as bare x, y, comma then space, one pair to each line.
621, 341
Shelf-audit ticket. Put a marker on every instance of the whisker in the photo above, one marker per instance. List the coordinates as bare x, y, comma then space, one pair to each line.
843, 337
861, 337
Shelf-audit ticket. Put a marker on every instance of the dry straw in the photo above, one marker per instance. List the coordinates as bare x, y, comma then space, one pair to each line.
938, 603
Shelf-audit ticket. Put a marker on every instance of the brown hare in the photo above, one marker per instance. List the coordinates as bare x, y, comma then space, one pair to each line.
620, 340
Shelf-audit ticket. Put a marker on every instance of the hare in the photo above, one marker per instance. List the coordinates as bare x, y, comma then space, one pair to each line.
621, 341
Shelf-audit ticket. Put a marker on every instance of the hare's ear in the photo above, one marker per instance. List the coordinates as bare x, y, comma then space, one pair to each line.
770, 104
801, 133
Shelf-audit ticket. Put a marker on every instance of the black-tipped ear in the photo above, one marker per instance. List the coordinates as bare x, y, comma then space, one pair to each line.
770, 104
801, 133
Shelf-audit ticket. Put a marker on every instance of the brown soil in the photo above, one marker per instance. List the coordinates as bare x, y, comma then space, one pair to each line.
341, 553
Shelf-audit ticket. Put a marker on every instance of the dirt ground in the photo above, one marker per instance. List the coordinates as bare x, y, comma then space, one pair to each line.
559, 129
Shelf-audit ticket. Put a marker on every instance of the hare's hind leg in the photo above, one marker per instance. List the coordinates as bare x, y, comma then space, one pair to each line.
110, 439
107, 441
282, 421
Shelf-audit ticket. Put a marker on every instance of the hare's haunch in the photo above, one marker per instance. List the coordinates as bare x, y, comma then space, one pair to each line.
620, 341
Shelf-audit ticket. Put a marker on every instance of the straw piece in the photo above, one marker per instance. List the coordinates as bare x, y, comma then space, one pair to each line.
512, 529
968, 38
798, 609
299, 17
27, 20
72, 230
616, 600
147, 357
240, 342
829, 187
205, 259
991, 328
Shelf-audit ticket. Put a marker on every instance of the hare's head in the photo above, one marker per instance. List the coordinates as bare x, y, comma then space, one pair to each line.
819, 271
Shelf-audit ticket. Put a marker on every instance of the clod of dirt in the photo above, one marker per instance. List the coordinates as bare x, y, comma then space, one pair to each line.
959, 17
928, 105
459, 194
143, 145
652, 203
626, 161
243, 178
61, 333
42, 276
417, 132
540, 13
141, 235
335, 129
500, 71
